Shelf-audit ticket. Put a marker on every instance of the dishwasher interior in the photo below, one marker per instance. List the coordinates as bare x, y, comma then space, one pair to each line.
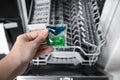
83, 33
84, 39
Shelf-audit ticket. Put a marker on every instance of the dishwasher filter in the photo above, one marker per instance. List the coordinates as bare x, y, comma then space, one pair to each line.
83, 33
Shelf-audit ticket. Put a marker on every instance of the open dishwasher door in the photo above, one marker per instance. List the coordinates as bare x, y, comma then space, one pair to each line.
76, 60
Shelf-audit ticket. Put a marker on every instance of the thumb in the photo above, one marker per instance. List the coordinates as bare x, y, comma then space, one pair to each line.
42, 35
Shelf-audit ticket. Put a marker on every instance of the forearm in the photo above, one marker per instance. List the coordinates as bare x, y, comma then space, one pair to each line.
8, 65
18, 71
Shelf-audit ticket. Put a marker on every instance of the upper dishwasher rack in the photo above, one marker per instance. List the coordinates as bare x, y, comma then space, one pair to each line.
84, 36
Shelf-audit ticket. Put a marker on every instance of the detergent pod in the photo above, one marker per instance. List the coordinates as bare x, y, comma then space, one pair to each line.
56, 36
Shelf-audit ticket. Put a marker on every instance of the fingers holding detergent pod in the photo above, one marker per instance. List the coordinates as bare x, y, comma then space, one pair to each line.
30, 45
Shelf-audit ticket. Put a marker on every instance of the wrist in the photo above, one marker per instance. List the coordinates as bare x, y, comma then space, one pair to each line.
14, 60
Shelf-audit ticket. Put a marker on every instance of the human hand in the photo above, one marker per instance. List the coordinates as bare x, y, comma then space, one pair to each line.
29, 46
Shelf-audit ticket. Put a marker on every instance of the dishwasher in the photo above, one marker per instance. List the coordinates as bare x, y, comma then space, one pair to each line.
83, 39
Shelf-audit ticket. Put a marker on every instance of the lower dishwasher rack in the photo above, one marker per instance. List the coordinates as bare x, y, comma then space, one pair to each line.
83, 37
